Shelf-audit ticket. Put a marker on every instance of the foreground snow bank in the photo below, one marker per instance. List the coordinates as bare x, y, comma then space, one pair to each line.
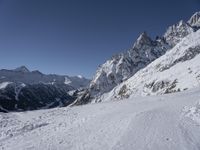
142, 123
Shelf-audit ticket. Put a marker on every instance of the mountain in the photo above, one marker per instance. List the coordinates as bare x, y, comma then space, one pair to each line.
21, 89
151, 96
23, 75
22, 69
177, 32
195, 20
176, 71
121, 67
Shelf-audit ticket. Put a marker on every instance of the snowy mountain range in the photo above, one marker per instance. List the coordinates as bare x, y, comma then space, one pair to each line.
150, 100
176, 71
21, 89
23, 75
178, 44
162, 65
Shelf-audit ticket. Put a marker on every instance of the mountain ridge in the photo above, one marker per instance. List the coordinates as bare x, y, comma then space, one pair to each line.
21, 89
176, 71
144, 51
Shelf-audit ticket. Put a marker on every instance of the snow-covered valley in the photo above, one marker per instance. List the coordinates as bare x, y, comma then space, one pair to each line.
168, 122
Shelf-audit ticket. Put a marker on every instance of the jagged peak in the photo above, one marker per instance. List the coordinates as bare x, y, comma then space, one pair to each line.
180, 24
143, 36
195, 19
177, 31
142, 39
22, 69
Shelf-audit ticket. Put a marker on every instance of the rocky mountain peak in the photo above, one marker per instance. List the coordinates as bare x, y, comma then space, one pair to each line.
176, 32
22, 69
120, 68
195, 20
142, 39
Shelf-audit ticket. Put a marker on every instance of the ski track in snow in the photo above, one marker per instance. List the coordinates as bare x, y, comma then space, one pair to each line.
143, 123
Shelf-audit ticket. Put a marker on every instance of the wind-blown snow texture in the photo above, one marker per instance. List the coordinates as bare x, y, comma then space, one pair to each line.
168, 122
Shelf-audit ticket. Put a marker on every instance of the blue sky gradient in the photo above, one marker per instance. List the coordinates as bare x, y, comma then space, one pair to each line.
75, 36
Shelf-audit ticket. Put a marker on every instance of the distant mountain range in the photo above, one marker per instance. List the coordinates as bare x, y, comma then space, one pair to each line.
21, 89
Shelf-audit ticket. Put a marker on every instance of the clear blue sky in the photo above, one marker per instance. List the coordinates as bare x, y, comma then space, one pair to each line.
75, 36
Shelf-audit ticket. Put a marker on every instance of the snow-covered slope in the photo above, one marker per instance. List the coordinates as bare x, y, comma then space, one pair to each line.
177, 32
145, 50
120, 67
142, 123
177, 70
21, 89
193, 112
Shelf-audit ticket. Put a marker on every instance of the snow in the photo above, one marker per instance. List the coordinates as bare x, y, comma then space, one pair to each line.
72, 92
67, 80
18, 90
177, 32
141, 123
26, 86
23, 75
131, 122
144, 51
177, 70
194, 113
80, 76
195, 20
3, 85
122, 66
77, 82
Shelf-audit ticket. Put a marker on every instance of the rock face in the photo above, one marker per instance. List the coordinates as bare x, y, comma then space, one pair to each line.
22, 69
21, 89
177, 70
177, 32
195, 20
121, 67
124, 65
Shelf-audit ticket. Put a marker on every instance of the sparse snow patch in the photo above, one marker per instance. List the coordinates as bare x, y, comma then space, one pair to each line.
3, 85
67, 80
